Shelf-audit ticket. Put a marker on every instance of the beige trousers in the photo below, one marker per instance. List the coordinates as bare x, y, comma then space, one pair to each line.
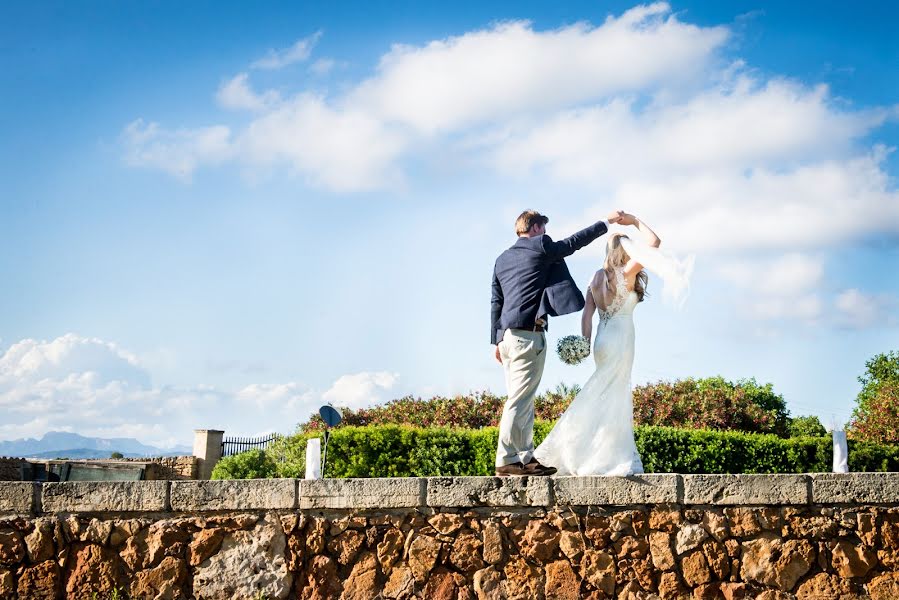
523, 354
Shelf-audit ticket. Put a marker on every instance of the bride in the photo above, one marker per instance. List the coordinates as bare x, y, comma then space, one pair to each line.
595, 435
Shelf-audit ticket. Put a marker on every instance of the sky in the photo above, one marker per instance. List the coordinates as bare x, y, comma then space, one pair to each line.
218, 215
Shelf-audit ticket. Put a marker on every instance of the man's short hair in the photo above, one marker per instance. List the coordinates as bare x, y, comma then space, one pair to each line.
528, 219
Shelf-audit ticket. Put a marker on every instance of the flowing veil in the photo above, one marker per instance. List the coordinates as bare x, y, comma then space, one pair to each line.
674, 272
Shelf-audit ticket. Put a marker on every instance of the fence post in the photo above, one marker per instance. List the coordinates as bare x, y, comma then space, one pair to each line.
208, 448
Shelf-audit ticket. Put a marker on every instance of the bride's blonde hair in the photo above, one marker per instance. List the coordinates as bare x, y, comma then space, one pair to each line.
617, 258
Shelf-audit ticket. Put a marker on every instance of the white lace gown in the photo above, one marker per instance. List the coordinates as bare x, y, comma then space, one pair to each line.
595, 436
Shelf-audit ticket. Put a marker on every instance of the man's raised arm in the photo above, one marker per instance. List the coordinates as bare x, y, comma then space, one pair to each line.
571, 244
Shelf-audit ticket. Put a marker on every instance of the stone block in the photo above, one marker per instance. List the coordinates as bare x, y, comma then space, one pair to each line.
104, 496
651, 488
233, 494
17, 496
386, 492
746, 489
840, 488
489, 491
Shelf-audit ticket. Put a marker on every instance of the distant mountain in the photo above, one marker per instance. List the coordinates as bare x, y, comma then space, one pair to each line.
72, 445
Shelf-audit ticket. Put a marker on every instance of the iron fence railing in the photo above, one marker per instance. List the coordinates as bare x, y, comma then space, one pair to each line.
236, 445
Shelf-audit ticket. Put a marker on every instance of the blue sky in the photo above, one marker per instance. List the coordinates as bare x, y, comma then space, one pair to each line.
217, 215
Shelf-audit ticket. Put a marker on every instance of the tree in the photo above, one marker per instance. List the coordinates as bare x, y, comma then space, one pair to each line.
712, 403
876, 418
252, 464
116, 455
809, 426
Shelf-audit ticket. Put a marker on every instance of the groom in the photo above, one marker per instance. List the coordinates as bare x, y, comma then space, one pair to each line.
531, 282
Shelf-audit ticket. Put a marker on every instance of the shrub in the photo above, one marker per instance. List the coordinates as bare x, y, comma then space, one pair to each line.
876, 418
712, 403
806, 427
405, 451
473, 411
252, 464
878, 421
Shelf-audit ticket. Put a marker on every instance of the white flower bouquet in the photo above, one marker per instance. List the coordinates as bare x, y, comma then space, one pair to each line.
573, 349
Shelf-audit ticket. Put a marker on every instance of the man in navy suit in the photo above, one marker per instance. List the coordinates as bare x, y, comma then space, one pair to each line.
531, 283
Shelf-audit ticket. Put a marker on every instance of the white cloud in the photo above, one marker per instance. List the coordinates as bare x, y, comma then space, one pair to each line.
511, 68
292, 396
783, 287
785, 275
342, 150
177, 152
322, 66
356, 140
236, 94
736, 125
298, 52
858, 310
96, 388
361, 390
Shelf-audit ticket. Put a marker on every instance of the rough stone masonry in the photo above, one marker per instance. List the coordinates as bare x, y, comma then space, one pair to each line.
769, 537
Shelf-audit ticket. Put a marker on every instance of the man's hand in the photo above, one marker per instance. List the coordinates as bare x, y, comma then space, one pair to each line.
615, 216
627, 219
496, 354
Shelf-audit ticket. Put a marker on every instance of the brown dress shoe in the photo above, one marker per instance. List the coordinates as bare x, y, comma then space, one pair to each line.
515, 468
535, 468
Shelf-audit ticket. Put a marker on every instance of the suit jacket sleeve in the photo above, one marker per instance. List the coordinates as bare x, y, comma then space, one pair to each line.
496, 309
568, 246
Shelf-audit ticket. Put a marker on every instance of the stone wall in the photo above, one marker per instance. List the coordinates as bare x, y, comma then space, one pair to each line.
10, 468
774, 537
170, 467
156, 468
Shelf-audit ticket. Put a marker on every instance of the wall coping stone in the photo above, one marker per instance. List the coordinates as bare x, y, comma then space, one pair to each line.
844, 488
18, 497
233, 494
747, 489
376, 492
105, 496
651, 488
447, 492
488, 491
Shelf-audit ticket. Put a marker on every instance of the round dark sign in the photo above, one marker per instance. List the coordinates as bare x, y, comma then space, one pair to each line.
330, 415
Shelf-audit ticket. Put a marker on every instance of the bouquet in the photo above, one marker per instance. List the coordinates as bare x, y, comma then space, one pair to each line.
573, 349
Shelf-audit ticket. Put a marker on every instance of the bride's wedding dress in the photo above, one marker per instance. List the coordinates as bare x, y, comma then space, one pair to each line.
595, 435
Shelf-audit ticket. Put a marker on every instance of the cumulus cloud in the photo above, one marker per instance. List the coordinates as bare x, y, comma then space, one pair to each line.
339, 149
95, 387
500, 73
236, 94
178, 152
361, 389
858, 310
298, 52
783, 287
511, 68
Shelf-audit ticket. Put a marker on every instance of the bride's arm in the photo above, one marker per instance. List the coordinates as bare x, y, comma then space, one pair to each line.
652, 240
589, 309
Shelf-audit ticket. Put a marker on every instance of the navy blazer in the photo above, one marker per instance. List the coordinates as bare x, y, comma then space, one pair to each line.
531, 280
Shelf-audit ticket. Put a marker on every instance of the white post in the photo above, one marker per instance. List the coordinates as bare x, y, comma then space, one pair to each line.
840, 452
208, 448
314, 458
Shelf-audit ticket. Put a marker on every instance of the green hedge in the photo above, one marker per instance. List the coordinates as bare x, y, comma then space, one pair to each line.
404, 451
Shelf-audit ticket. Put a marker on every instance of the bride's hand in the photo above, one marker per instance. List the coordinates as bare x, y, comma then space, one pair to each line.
627, 219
